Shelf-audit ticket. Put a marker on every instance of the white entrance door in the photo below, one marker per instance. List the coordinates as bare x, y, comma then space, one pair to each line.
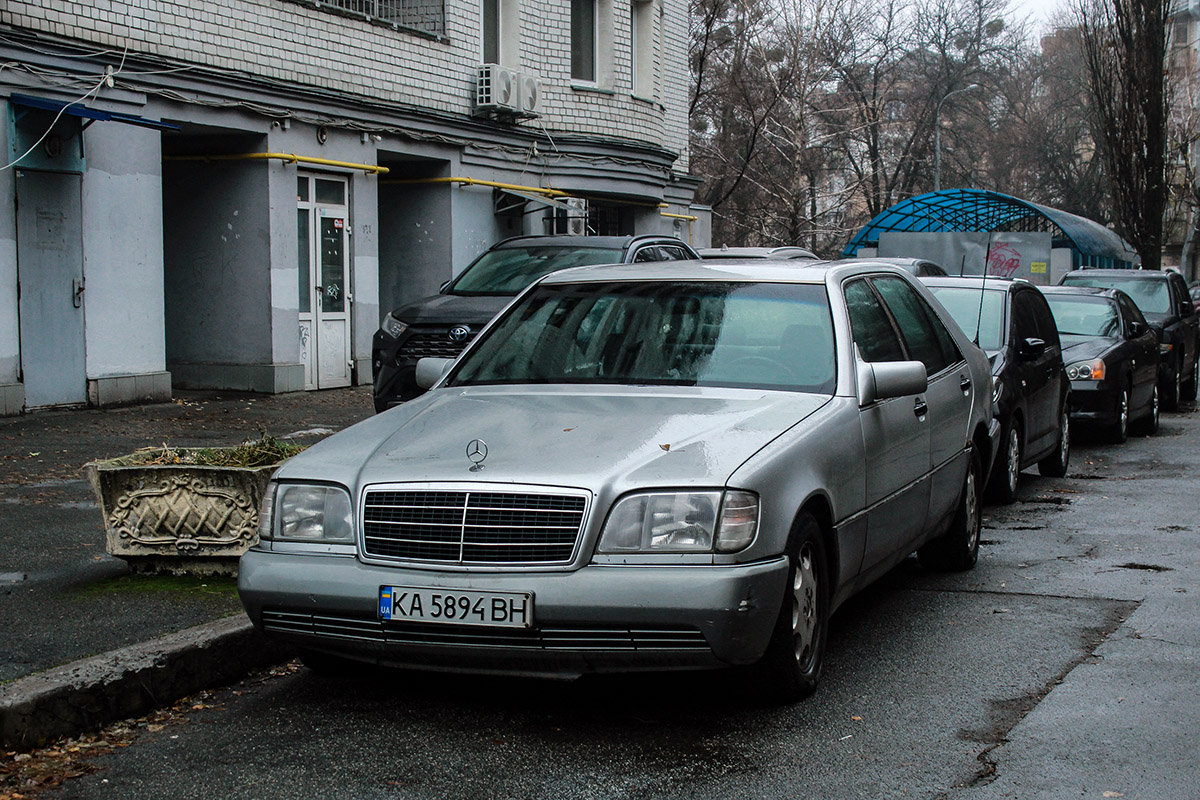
50, 275
323, 227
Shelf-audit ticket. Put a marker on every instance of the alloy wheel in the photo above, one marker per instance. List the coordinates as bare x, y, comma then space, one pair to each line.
804, 606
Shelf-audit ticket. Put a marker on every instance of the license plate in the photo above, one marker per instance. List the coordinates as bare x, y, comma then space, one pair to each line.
456, 606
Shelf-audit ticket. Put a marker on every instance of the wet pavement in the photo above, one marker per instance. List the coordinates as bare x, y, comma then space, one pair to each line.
62, 597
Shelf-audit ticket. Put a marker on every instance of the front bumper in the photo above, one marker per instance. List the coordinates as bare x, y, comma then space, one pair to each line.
1094, 402
600, 618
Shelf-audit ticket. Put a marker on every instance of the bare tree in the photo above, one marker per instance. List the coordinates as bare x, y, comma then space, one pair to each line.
1124, 49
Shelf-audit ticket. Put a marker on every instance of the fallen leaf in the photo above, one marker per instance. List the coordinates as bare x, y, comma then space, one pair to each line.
1112, 794
857, 719
665, 446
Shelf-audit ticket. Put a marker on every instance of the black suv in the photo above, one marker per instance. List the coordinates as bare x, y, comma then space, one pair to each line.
1163, 299
1012, 322
443, 324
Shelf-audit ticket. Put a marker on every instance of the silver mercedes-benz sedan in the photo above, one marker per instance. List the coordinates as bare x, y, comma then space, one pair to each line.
639, 467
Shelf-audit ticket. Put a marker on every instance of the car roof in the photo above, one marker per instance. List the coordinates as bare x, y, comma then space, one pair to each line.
784, 252
1132, 274
564, 240
746, 269
1093, 291
974, 282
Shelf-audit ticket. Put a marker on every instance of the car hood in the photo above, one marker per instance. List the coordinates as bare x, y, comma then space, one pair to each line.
590, 437
452, 309
1082, 348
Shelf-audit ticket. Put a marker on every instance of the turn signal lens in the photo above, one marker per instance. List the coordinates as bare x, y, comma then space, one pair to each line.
392, 326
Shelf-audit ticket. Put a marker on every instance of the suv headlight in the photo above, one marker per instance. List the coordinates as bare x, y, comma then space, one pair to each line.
681, 522
392, 326
303, 513
1086, 370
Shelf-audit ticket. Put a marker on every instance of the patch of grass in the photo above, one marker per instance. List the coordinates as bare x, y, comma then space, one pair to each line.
223, 586
262, 452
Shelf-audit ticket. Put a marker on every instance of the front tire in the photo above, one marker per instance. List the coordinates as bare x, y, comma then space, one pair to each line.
1003, 486
958, 548
1055, 465
1188, 392
1119, 431
791, 666
1170, 398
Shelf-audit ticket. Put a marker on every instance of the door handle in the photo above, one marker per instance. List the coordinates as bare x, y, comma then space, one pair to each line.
920, 408
77, 293
965, 385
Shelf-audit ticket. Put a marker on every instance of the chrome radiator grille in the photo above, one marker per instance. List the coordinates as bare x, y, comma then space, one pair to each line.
433, 345
460, 527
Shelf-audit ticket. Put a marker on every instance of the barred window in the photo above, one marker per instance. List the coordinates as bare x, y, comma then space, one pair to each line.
424, 16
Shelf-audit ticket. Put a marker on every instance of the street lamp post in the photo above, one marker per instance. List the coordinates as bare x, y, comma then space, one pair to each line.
937, 136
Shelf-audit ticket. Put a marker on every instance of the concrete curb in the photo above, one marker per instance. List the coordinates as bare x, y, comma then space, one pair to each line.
91, 692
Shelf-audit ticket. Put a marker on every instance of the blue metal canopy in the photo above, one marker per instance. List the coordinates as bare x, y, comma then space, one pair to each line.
978, 210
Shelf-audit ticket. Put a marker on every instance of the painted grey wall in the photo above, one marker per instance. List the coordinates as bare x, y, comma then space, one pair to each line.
475, 228
10, 334
217, 248
1020, 255
415, 244
364, 268
955, 252
123, 251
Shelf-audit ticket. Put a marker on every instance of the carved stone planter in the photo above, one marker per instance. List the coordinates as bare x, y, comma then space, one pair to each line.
179, 517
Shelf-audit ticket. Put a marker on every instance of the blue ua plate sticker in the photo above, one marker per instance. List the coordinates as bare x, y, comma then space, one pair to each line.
385, 602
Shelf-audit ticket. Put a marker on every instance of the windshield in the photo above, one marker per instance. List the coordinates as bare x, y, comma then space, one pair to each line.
759, 335
1084, 316
1151, 296
964, 305
510, 269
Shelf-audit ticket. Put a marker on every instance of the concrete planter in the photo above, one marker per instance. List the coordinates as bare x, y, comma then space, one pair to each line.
179, 518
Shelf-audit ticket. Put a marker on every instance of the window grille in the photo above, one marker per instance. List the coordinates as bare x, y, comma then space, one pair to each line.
426, 16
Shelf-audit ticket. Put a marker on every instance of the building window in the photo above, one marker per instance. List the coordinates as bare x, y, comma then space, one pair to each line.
501, 32
641, 23
583, 40
424, 16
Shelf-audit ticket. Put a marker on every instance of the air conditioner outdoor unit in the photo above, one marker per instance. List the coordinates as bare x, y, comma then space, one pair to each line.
497, 88
530, 94
576, 215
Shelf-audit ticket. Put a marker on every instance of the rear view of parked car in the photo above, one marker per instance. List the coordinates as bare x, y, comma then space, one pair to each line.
1163, 299
639, 467
1112, 359
442, 325
1010, 320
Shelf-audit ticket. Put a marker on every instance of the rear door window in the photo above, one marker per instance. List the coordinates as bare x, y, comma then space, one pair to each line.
927, 339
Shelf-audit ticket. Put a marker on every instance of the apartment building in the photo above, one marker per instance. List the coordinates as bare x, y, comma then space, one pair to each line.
228, 194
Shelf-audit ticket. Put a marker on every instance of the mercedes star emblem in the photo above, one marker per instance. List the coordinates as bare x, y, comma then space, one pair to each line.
477, 451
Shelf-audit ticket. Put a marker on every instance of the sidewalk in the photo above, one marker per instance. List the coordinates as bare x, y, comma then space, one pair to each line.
62, 598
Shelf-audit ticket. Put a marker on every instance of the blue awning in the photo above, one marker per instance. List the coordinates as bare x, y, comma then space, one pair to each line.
79, 110
978, 210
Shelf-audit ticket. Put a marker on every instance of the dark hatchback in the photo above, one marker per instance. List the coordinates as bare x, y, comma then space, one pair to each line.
442, 325
1163, 299
1011, 321
1112, 359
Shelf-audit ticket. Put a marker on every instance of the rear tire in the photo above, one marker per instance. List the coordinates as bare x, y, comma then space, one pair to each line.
1188, 391
1148, 425
1003, 486
1055, 465
1170, 398
791, 666
958, 548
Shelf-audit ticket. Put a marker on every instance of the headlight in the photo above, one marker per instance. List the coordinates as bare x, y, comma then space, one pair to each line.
392, 326
681, 522
306, 514
1086, 370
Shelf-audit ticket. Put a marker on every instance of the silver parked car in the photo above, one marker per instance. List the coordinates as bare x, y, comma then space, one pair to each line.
635, 467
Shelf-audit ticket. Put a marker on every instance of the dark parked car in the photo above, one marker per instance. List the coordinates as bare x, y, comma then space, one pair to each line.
1163, 298
1112, 359
1013, 324
441, 325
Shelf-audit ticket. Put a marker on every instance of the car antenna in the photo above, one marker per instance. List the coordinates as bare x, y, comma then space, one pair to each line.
982, 290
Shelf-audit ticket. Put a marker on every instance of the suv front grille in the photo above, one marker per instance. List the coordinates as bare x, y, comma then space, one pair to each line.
432, 345
463, 527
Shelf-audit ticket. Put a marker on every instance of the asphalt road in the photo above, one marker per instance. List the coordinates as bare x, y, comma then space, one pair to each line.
1063, 666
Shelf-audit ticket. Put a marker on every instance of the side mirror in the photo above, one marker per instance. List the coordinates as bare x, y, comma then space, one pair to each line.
431, 370
1187, 308
886, 379
1031, 347
1137, 329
